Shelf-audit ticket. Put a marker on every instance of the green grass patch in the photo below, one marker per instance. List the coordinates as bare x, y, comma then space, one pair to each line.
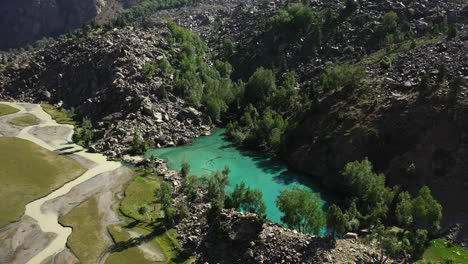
6, 110
390, 54
26, 120
169, 243
28, 172
166, 243
61, 116
443, 251
133, 254
86, 241
139, 193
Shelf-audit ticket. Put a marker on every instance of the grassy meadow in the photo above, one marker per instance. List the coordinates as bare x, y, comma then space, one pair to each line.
86, 241
28, 172
6, 110
25, 120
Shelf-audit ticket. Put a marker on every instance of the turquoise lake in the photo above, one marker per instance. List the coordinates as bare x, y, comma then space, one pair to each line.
258, 171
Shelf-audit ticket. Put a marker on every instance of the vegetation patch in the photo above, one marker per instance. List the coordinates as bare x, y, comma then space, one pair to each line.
140, 194
61, 116
28, 172
6, 110
26, 120
125, 254
386, 54
86, 241
143, 238
444, 251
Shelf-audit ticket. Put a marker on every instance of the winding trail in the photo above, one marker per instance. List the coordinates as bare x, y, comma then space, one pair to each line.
48, 220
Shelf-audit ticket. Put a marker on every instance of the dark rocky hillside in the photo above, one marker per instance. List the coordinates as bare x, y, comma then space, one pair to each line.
25, 21
101, 77
415, 137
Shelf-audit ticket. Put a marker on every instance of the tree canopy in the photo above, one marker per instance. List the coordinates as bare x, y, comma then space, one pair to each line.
246, 199
336, 220
302, 209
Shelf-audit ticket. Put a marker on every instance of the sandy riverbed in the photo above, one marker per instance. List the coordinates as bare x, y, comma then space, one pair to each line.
43, 213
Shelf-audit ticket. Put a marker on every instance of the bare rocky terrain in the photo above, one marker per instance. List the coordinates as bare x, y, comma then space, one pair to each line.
101, 78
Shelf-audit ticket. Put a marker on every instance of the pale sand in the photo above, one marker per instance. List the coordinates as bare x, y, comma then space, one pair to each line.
48, 220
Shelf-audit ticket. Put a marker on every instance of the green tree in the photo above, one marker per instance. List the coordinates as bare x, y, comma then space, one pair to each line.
418, 242
342, 77
150, 68
213, 216
442, 73
336, 220
237, 196
452, 32
139, 146
455, 87
352, 216
144, 211
216, 186
185, 169
260, 86
286, 97
302, 209
390, 21
87, 132
246, 199
190, 187
427, 212
253, 202
403, 210
368, 187
84, 135
164, 195
424, 84
182, 210
388, 242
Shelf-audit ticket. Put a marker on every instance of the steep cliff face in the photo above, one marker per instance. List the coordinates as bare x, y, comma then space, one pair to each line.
24, 21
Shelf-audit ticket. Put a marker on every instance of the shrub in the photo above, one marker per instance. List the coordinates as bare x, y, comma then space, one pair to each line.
342, 77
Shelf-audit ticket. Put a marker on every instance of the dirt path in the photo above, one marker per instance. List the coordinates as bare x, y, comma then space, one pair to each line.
47, 219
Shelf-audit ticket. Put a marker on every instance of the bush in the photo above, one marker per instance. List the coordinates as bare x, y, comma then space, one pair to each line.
139, 146
386, 62
260, 86
390, 21
246, 199
368, 187
84, 134
452, 32
342, 77
149, 69
302, 209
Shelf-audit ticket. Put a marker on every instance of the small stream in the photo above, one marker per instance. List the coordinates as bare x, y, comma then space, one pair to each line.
257, 170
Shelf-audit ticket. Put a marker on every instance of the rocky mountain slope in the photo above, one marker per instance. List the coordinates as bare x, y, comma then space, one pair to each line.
414, 139
25, 21
101, 77
412, 136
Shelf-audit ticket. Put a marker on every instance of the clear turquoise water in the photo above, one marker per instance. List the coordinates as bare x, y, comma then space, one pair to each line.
211, 153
